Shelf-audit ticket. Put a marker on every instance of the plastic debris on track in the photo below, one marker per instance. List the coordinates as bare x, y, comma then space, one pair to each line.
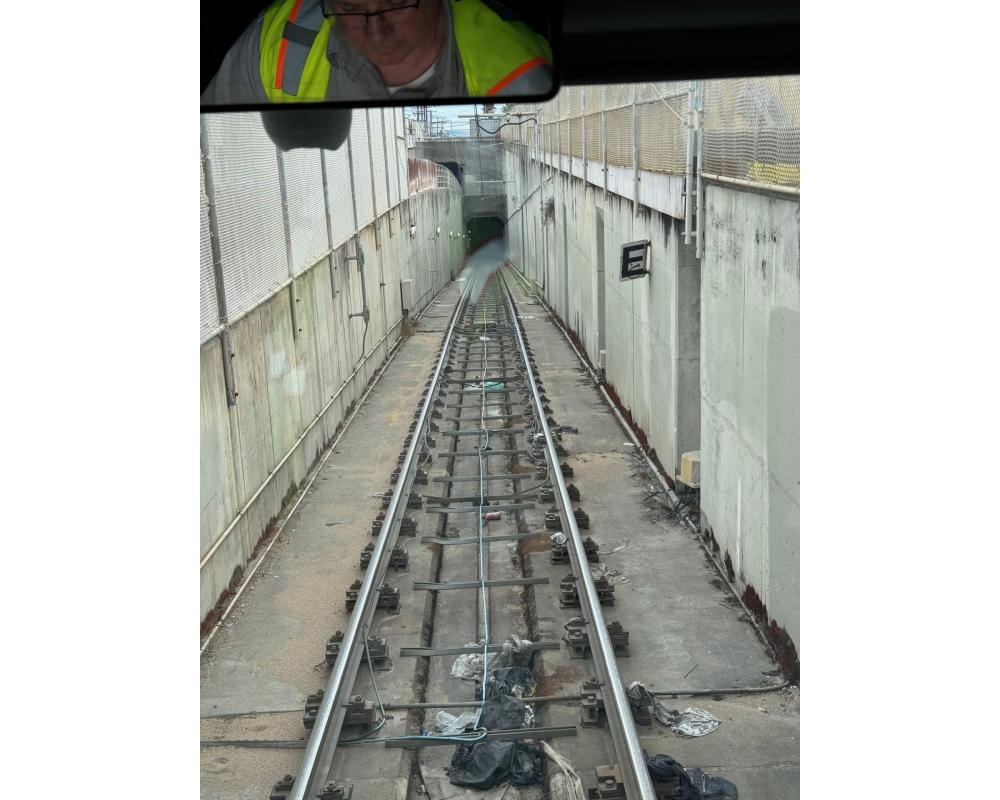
690, 722
489, 763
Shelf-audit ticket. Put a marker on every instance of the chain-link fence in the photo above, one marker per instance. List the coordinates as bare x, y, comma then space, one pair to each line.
272, 215
749, 128
445, 179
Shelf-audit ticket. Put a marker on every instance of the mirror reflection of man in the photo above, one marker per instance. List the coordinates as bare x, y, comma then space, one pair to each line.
316, 50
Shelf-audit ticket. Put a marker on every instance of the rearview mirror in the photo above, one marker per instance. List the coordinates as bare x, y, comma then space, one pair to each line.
358, 53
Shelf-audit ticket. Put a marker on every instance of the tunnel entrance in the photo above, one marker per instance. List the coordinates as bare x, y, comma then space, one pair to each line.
456, 170
482, 230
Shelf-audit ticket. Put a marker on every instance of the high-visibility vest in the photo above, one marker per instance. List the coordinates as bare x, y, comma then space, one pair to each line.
295, 35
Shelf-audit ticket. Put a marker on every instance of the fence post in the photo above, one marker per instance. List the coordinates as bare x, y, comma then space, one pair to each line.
399, 169
699, 231
583, 134
635, 153
293, 294
604, 136
378, 243
220, 286
329, 226
569, 139
385, 157
689, 170
371, 175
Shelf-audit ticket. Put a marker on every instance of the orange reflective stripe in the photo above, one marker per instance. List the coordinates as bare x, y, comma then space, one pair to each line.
517, 73
279, 74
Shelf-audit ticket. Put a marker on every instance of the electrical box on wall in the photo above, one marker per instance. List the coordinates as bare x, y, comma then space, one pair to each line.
406, 294
635, 260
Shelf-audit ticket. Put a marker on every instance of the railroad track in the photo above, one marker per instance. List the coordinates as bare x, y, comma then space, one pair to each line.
484, 417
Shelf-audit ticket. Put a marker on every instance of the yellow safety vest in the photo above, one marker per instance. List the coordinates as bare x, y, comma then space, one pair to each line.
295, 35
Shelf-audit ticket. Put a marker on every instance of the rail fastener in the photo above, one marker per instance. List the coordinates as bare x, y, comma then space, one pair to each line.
559, 554
399, 558
377, 648
408, 527
388, 597
282, 788
578, 640
569, 597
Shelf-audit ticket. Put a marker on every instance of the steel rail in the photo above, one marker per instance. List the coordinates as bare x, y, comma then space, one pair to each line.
318, 758
631, 762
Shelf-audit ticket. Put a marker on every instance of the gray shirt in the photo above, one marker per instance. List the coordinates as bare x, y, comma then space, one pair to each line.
352, 76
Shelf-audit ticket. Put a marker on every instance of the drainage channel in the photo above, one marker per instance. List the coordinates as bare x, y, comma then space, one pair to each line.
484, 418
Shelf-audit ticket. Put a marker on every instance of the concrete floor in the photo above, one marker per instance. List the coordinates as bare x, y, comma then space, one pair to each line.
685, 631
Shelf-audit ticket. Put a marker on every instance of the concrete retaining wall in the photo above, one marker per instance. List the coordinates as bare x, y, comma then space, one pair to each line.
293, 353
648, 327
701, 354
750, 399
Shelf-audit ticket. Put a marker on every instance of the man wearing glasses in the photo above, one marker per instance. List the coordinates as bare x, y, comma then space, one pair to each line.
317, 50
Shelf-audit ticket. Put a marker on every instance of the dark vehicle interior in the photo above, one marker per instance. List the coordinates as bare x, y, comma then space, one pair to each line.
602, 42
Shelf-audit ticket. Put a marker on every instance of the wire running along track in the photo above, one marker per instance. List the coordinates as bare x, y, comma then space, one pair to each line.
484, 290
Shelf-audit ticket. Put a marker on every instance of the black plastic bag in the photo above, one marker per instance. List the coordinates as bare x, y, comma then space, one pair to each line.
506, 680
502, 712
663, 769
526, 764
490, 763
712, 787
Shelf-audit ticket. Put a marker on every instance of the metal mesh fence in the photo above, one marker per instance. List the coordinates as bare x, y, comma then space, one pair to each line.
401, 159
338, 190
750, 126
592, 124
662, 121
576, 137
378, 161
306, 209
391, 162
619, 122
246, 201
447, 180
751, 129
362, 172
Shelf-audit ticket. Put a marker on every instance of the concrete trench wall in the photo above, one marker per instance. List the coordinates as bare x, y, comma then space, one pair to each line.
750, 403
700, 354
648, 327
289, 364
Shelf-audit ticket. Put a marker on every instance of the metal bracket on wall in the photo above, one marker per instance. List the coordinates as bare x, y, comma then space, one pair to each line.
359, 256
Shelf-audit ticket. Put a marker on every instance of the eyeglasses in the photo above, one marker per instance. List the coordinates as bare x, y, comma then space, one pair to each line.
332, 8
